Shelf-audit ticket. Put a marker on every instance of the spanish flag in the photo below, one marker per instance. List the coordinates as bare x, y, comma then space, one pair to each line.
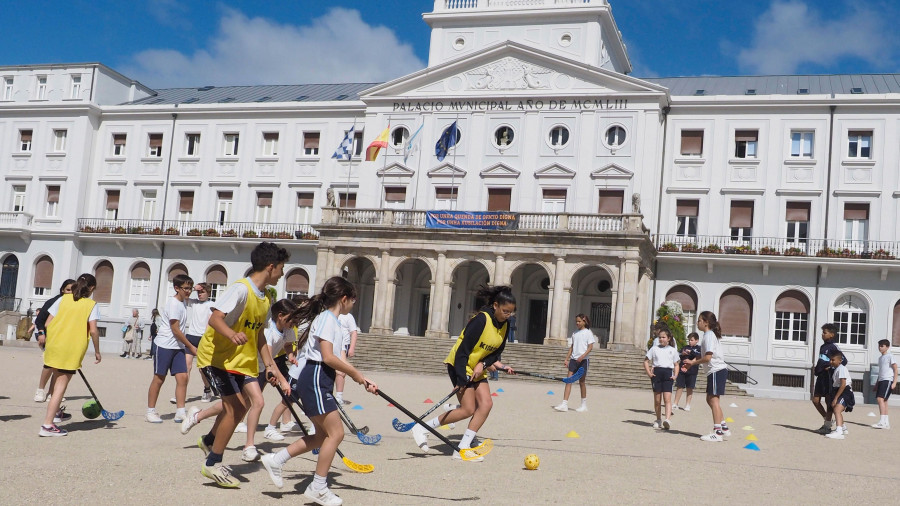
377, 144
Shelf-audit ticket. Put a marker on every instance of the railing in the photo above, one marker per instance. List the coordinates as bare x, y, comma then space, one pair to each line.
245, 230
15, 220
447, 5
596, 222
777, 246
9, 303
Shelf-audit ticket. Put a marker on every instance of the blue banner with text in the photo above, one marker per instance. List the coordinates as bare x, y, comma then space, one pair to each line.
480, 220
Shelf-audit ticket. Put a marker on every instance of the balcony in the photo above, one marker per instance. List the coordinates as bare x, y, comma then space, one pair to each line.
777, 246
15, 221
171, 228
453, 5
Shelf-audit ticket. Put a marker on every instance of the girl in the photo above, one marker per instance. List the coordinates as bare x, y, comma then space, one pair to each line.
40, 322
477, 351
72, 319
321, 344
716, 372
582, 343
664, 360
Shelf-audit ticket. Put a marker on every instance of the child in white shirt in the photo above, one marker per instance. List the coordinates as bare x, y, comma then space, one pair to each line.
664, 360
887, 381
840, 398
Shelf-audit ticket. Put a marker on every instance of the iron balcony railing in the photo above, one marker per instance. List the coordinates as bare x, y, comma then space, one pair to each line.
228, 229
777, 246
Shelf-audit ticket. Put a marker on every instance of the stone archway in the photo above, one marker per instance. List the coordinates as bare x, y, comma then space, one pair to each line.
531, 286
412, 297
361, 272
592, 295
467, 278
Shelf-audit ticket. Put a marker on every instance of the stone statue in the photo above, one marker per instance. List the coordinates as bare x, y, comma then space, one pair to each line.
636, 203
330, 194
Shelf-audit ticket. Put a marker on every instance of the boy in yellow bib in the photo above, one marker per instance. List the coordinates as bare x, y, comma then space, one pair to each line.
229, 350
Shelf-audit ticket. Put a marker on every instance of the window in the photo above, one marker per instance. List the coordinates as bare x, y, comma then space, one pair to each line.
25, 141
192, 144
687, 297
59, 140
231, 144
797, 219
305, 203
499, 199
346, 199
615, 136
399, 137
559, 137
394, 197
175, 270
895, 336
8, 88
745, 143
686, 212
223, 208
217, 277
692, 143
357, 144
139, 290
18, 199
296, 283
112, 204
791, 316
736, 310
741, 222
503, 137
554, 201
43, 276
148, 204
850, 316
859, 144
802, 144
155, 146
856, 222
119, 144
41, 93
445, 197
52, 210
311, 143
185, 205
270, 144
263, 207
76, 87
611, 201
105, 274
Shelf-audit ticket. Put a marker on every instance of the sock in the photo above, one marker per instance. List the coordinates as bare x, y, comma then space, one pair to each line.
208, 439
584, 401
270, 427
724, 425
282, 456
319, 482
717, 428
179, 411
565, 402
213, 458
467, 438
151, 410
339, 396
887, 420
434, 423
206, 390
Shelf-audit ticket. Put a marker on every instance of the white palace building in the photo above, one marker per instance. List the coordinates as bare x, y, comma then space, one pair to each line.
773, 201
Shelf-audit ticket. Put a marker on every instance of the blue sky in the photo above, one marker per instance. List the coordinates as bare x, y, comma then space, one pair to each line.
170, 43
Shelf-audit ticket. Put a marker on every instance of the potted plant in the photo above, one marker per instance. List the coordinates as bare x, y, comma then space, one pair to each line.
171, 231
690, 248
156, 231
193, 232
102, 230
119, 230
210, 232
282, 235
668, 247
793, 252
882, 254
766, 250
848, 253
267, 235
250, 234
310, 236
712, 248
89, 229
229, 233
740, 250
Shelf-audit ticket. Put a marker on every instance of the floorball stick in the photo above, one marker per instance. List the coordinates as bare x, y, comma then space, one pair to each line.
106, 414
571, 379
404, 427
362, 436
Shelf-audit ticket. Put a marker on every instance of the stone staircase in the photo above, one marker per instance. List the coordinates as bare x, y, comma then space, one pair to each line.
425, 355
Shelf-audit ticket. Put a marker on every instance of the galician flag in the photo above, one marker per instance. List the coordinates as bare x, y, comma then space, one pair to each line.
412, 144
343, 151
377, 144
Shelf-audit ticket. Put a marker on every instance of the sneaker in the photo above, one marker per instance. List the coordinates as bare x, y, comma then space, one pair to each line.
272, 434
836, 434
241, 427
656, 424
250, 454
221, 475
202, 444
274, 470
40, 396
148, 358
173, 400
712, 438
880, 425
190, 420
179, 416
666, 424
325, 497
825, 428
457, 456
207, 397
562, 407
153, 417
845, 430
420, 434
686, 407
582, 408
61, 416
726, 431
52, 431
123, 355
287, 427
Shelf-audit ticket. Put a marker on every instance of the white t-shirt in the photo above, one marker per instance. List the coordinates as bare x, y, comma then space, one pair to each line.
663, 356
197, 316
885, 367
275, 339
325, 329
839, 373
580, 342
174, 310
348, 326
95, 313
233, 301
709, 343
294, 370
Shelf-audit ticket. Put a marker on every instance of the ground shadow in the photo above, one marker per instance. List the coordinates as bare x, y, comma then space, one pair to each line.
794, 427
638, 422
683, 433
3, 397
642, 411
10, 418
77, 397
423, 497
99, 423
857, 423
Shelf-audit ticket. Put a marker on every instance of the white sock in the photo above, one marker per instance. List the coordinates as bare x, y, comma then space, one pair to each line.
584, 401
564, 403
179, 411
151, 410
270, 427
339, 396
467, 438
434, 423
886, 420
843, 428
319, 482
282, 457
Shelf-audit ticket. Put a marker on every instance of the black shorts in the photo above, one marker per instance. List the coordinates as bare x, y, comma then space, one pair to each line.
194, 340
686, 380
315, 389
848, 400
715, 382
883, 389
823, 385
451, 371
64, 371
574, 366
662, 379
224, 383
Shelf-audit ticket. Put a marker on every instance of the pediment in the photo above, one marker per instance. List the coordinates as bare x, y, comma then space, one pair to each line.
500, 170
395, 169
446, 170
512, 68
555, 171
612, 171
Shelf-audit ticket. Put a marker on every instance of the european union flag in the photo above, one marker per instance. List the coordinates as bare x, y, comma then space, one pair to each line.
448, 139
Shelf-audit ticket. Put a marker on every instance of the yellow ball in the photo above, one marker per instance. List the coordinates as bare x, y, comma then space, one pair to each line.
532, 462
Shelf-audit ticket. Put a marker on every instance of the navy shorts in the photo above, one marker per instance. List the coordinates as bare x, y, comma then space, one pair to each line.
451, 371
686, 380
281, 364
194, 340
823, 385
315, 389
167, 360
574, 366
848, 400
222, 382
662, 379
883, 389
715, 382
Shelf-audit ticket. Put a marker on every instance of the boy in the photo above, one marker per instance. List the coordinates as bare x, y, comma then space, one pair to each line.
823, 378
171, 344
688, 377
840, 398
230, 349
887, 381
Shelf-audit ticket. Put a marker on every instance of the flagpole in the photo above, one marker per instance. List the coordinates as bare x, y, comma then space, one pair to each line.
453, 190
350, 167
418, 169
384, 166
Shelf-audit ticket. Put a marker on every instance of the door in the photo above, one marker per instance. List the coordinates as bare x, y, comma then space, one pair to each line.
537, 321
8, 280
600, 319
424, 306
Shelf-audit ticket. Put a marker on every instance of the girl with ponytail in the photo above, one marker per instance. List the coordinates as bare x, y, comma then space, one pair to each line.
716, 372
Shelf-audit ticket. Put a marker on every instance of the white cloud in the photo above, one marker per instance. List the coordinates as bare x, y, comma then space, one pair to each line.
337, 47
790, 34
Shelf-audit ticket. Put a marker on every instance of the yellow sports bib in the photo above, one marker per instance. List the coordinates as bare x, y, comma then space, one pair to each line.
490, 341
218, 351
67, 333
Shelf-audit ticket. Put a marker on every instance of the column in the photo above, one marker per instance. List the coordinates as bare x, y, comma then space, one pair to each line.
321, 269
500, 271
379, 325
329, 266
391, 286
557, 312
436, 315
613, 318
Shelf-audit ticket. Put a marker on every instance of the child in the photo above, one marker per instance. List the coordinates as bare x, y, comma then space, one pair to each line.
229, 350
840, 396
171, 345
582, 343
198, 312
823, 376
664, 360
716, 373
350, 332
321, 345
887, 381
688, 377
40, 323
71, 320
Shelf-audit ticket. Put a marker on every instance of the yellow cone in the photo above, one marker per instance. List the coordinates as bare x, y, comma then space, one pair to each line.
729, 420
572, 434
751, 437
444, 427
747, 427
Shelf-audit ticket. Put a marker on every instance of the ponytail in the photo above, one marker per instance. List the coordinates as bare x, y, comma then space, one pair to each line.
499, 294
712, 322
83, 286
283, 307
332, 292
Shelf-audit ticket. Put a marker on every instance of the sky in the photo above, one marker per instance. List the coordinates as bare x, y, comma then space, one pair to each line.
179, 43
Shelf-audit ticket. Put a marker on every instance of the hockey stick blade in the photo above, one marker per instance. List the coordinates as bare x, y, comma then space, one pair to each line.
479, 451
402, 427
405, 427
112, 416
368, 440
364, 430
106, 414
575, 377
364, 439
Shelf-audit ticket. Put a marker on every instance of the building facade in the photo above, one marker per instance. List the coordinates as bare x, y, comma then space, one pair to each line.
770, 200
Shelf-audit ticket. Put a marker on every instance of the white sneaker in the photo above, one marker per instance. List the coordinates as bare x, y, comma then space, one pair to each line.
687, 407
179, 416
272, 434
836, 434
457, 456
221, 475
845, 430
712, 438
190, 420
153, 417
880, 425
287, 427
39, 395
325, 497
274, 470
666, 424
582, 408
562, 407
726, 432
207, 397
250, 454
656, 424
173, 401
420, 434
241, 427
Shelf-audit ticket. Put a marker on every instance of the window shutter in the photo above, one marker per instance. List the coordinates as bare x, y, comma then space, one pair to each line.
611, 201
264, 199
792, 301
217, 275
140, 271
395, 194
119, 139
741, 214
555, 194
687, 208
297, 281
446, 193
53, 194
735, 312
856, 211
859, 133
306, 199
43, 273
25, 135
156, 140
226, 195
692, 142
746, 135
797, 211
104, 274
499, 199
684, 295
186, 203
311, 140
895, 341
348, 200
270, 136
112, 199
176, 270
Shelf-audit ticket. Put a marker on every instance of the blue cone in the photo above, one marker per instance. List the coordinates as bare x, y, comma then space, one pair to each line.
550, 392
499, 389
752, 446
357, 407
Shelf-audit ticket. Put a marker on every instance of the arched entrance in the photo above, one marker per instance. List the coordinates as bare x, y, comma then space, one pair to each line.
531, 287
9, 278
467, 278
591, 295
361, 272
412, 297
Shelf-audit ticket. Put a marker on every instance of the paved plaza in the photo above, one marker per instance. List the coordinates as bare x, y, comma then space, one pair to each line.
618, 458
